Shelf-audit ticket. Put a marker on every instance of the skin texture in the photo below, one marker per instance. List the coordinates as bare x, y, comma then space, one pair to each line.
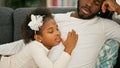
71, 41
87, 9
50, 34
111, 5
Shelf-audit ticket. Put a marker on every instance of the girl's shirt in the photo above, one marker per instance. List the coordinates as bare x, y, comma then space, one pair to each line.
35, 54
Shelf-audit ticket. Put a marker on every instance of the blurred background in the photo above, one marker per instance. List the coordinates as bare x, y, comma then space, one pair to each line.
37, 3
22, 3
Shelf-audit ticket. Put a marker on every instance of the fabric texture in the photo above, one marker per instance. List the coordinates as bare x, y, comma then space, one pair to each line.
34, 55
108, 55
6, 25
12, 48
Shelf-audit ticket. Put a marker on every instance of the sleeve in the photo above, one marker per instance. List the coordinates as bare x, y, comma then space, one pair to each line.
112, 30
40, 57
55, 52
11, 48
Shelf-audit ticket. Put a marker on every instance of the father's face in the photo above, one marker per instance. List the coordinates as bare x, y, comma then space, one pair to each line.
88, 8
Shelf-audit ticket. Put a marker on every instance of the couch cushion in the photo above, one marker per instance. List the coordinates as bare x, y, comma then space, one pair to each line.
108, 54
20, 13
6, 25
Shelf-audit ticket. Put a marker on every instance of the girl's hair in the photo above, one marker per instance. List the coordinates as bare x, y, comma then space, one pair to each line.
27, 33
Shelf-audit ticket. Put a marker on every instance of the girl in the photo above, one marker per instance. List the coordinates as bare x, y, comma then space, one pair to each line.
40, 33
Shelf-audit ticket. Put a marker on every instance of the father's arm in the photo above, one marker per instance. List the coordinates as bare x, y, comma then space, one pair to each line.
11, 48
112, 5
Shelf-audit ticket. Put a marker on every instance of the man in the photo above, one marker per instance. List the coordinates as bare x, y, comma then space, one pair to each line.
93, 31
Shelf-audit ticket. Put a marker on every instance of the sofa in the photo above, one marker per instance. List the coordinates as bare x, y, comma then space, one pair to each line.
11, 19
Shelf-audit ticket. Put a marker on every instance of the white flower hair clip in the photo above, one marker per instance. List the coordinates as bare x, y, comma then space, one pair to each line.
36, 22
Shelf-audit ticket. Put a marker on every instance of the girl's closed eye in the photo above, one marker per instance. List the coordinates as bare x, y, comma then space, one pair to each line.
50, 30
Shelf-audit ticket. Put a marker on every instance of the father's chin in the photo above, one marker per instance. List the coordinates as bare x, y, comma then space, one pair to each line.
83, 16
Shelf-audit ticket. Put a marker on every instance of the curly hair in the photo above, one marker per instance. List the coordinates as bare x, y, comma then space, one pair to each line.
27, 33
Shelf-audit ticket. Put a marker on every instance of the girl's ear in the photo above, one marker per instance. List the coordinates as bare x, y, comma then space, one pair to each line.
37, 37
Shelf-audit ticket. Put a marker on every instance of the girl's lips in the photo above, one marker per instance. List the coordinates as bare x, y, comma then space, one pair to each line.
58, 39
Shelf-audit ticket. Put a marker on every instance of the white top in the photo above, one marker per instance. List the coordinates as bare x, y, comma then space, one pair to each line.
92, 35
34, 55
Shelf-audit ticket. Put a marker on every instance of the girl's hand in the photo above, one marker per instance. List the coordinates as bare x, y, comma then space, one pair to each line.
70, 42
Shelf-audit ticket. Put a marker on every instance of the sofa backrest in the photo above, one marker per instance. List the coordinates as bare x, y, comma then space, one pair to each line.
6, 25
20, 13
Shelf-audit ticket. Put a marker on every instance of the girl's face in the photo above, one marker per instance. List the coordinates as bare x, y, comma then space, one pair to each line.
50, 34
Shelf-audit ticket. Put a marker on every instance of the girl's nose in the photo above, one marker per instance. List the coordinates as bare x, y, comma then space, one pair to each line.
57, 32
